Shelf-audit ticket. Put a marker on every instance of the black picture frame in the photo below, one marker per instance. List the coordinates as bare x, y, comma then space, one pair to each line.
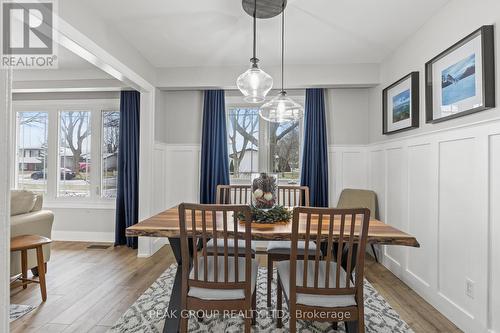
415, 103
488, 74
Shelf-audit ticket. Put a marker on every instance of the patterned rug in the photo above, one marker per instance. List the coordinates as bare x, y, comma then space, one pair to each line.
17, 311
147, 314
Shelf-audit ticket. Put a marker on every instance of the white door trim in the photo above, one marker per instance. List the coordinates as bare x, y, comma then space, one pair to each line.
5, 141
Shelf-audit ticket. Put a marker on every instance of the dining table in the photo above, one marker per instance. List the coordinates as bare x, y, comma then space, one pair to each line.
166, 224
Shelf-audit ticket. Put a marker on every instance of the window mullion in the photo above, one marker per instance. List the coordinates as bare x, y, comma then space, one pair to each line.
52, 152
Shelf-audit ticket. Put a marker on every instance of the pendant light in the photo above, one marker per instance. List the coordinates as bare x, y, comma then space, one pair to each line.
282, 108
254, 84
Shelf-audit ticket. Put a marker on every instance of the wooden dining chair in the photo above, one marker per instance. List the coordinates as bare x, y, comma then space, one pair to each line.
236, 195
320, 289
355, 198
220, 281
290, 196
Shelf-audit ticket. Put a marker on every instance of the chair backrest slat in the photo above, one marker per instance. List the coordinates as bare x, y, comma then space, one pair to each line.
328, 225
195, 245
204, 231
340, 246
350, 248
329, 251
226, 247
211, 222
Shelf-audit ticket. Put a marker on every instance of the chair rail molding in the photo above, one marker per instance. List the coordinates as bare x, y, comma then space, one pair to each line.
5, 142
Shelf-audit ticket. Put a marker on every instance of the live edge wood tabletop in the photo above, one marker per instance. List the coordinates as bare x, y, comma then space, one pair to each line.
166, 224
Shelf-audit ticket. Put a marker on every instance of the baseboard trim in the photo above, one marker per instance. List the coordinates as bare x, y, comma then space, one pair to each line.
83, 236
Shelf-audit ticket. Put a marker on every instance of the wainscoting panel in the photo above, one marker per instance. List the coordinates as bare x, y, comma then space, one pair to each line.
437, 187
160, 176
456, 218
183, 173
396, 184
422, 205
494, 232
354, 173
348, 169
377, 176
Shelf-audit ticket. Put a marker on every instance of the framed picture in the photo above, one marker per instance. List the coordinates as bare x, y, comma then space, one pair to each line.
400, 104
461, 80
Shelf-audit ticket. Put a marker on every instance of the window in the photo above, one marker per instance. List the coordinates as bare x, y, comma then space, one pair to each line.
32, 130
74, 154
243, 142
256, 145
69, 149
109, 152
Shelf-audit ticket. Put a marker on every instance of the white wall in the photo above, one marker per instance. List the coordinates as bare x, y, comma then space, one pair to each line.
83, 224
347, 116
179, 117
437, 182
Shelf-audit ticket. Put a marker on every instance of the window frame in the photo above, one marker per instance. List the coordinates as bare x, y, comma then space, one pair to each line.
54, 108
264, 137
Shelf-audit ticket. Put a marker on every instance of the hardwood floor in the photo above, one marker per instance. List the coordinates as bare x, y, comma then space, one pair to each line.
89, 289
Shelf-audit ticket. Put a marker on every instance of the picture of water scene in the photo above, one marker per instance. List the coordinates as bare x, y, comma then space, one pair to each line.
458, 81
401, 106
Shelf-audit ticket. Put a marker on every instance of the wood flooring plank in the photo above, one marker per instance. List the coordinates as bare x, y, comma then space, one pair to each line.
89, 289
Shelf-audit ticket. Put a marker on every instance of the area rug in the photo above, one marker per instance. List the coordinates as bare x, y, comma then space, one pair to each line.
17, 311
147, 314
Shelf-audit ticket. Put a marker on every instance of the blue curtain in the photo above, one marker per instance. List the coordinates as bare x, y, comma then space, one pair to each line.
315, 154
127, 199
214, 158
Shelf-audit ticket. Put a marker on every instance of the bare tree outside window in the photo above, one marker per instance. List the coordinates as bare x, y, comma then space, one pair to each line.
284, 149
243, 142
74, 153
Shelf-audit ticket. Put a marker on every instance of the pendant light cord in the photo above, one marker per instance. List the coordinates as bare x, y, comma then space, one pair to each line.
282, 46
254, 59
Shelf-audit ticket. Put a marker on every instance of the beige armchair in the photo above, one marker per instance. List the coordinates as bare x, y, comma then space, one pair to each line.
28, 218
354, 198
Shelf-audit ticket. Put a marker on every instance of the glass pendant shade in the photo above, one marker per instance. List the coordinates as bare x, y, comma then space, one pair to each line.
254, 84
281, 109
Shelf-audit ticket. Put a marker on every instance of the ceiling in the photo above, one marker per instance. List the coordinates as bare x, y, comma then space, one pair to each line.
179, 33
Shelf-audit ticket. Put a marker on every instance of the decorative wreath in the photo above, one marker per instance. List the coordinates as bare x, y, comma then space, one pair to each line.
271, 216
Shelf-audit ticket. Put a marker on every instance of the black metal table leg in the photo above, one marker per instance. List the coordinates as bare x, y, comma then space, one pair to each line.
172, 319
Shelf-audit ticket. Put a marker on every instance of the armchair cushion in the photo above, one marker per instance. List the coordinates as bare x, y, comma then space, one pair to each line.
21, 202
